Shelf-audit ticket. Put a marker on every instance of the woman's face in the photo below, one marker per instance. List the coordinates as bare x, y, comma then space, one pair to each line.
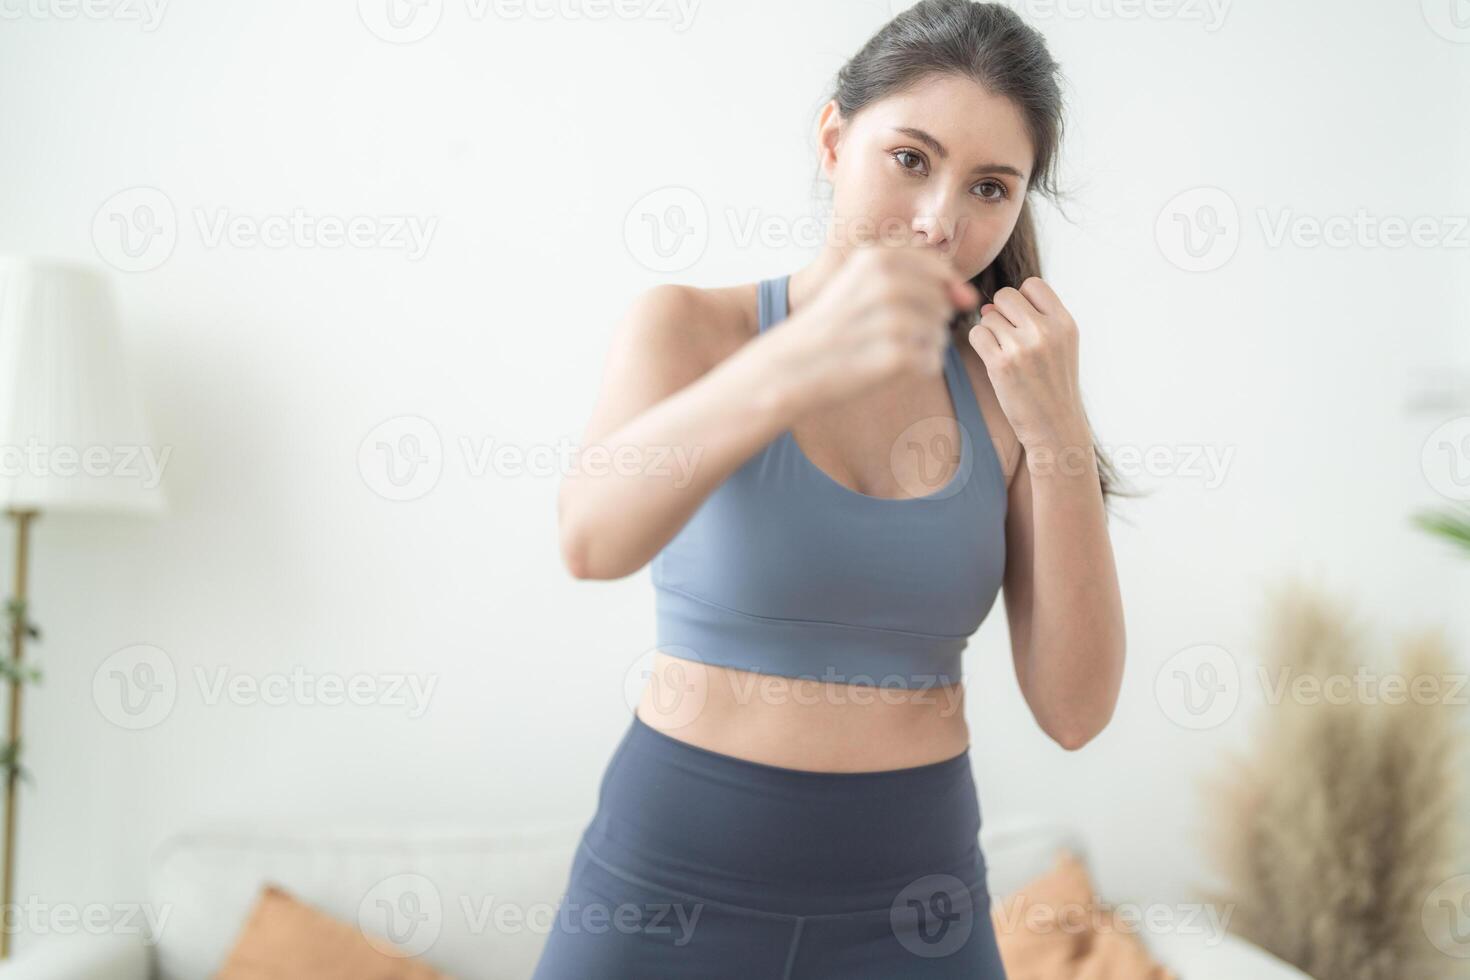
944, 163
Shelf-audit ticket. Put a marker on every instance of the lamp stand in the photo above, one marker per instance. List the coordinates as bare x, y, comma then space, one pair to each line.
22, 520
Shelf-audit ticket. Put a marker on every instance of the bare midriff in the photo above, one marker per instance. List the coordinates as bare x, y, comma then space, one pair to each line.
800, 723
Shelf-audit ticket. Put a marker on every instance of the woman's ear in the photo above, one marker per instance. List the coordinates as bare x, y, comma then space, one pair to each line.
829, 135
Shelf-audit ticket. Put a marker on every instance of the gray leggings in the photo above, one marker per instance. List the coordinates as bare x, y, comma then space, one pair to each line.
706, 866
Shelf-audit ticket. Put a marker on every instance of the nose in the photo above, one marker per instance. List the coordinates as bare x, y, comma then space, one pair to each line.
937, 224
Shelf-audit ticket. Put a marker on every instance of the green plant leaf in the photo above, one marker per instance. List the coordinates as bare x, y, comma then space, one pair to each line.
1453, 526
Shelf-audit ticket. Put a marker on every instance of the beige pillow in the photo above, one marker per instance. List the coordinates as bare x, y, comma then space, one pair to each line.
285, 939
1057, 928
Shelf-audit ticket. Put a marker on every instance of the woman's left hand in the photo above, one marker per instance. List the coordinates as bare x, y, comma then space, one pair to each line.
1028, 342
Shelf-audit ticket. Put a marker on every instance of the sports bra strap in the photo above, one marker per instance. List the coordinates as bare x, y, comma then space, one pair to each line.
772, 302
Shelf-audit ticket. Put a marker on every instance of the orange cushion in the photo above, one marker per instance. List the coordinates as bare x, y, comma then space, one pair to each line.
285, 939
1057, 928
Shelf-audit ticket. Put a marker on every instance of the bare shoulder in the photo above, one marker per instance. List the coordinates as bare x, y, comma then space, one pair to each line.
669, 336
1007, 446
693, 326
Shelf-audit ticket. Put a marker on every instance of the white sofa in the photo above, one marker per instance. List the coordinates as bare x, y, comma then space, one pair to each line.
496, 893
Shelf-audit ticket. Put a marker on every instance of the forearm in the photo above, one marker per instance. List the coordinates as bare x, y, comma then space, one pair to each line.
1075, 660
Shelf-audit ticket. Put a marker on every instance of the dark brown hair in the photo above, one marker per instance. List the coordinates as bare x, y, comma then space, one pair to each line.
989, 44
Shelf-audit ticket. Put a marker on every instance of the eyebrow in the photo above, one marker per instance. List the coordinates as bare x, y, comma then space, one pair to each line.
938, 147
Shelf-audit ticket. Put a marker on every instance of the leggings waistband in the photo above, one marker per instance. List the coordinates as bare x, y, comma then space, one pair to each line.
782, 840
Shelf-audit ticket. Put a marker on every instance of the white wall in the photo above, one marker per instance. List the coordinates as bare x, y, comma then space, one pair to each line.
528, 141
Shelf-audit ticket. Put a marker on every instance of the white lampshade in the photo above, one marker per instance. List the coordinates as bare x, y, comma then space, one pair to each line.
72, 433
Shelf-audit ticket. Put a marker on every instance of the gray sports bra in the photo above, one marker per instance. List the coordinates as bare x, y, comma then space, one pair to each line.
783, 570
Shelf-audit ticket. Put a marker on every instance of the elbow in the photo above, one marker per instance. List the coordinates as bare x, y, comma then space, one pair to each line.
572, 539
574, 556
1072, 739
580, 558
576, 550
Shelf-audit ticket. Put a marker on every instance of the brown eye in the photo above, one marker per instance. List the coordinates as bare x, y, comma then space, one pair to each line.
1001, 192
899, 155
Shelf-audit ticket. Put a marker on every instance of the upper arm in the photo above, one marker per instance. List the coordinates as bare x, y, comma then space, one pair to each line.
659, 345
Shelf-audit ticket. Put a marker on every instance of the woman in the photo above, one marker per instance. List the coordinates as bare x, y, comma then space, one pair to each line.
793, 797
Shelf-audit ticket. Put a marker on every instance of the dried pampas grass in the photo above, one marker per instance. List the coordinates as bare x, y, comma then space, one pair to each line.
1334, 829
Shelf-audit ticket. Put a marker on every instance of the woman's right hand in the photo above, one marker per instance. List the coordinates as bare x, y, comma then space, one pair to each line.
883, 315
